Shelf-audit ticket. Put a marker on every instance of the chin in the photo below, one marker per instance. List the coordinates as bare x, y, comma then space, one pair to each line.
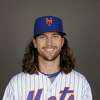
51, 58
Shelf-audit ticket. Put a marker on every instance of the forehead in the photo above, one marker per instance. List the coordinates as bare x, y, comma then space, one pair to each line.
50, 33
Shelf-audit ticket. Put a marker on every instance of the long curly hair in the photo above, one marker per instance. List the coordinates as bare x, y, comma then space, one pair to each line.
30, 60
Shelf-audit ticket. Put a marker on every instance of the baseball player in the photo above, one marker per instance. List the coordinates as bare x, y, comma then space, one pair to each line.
48, 67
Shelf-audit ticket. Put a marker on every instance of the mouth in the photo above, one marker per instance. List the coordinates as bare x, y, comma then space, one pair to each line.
49, 49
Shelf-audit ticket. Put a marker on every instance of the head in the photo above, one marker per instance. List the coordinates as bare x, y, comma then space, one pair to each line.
48, 42
48, 45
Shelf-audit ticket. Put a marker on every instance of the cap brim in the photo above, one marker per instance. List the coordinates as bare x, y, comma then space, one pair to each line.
60, 33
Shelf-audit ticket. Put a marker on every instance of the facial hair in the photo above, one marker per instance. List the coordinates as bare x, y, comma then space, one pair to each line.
52, 55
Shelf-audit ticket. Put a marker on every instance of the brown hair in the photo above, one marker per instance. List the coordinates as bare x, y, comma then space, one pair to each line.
30, 60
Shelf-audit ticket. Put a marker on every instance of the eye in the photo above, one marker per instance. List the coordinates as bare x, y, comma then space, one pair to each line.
41, 36
55, 35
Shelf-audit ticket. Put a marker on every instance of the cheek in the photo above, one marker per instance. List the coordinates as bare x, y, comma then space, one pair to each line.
58, 42
40, 44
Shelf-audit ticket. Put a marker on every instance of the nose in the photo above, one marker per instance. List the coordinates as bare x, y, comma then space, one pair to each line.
49, 41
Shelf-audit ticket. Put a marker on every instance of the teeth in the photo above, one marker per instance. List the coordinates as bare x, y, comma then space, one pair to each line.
49, 49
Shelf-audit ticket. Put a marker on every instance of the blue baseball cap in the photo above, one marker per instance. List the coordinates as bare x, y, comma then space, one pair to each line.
48, 24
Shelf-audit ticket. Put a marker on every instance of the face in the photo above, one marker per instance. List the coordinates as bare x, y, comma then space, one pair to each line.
49, 45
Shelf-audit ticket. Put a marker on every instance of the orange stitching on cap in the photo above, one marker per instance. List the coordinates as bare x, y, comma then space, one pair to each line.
49, 21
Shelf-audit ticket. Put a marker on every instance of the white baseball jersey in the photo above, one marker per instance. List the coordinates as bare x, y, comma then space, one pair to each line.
71, 86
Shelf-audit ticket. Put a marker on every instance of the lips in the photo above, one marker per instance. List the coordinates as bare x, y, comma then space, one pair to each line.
49, 49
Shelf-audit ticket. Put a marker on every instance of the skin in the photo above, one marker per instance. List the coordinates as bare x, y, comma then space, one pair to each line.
49, 45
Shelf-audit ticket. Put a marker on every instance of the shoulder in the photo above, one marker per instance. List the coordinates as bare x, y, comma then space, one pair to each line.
76, 76
19, 77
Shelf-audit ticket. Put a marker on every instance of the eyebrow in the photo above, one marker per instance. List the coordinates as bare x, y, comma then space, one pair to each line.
54, 33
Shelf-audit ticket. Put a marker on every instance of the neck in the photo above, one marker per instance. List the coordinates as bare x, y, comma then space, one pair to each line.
46, 66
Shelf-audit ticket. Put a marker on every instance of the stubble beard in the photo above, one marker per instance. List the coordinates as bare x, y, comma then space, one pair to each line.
50, 56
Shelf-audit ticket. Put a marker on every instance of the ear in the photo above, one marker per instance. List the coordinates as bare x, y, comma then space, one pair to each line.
34, 42
62, 42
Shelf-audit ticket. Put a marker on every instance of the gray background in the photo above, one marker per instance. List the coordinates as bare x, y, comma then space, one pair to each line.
81, 22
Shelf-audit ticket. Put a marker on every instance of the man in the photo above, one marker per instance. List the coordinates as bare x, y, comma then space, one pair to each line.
48, 67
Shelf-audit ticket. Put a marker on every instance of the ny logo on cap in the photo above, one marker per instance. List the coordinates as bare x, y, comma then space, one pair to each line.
49, 21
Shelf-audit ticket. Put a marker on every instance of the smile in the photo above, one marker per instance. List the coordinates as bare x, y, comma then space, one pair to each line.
49, 50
